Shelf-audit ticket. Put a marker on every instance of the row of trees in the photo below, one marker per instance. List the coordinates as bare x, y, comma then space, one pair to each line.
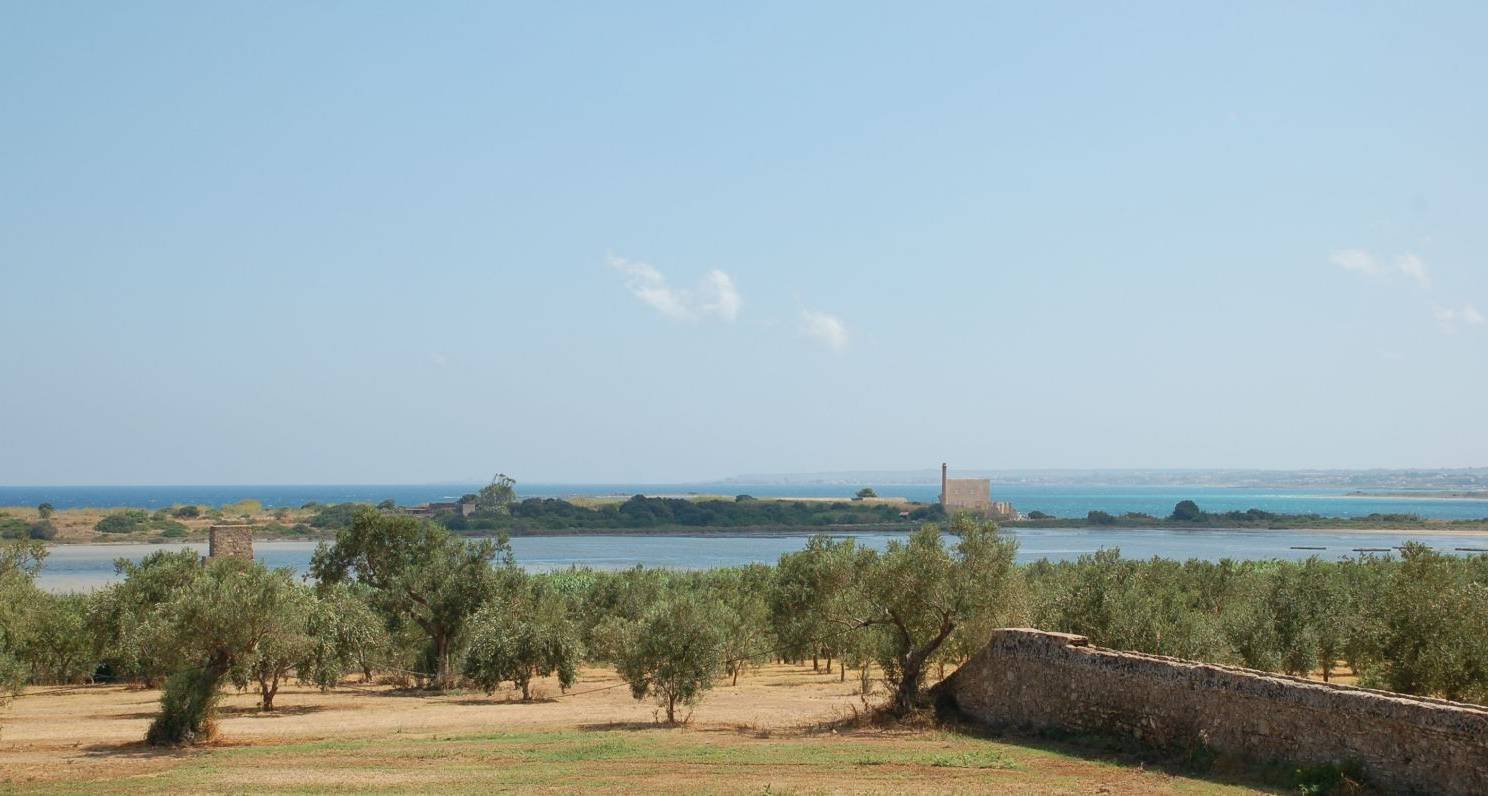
403, 599
1416, 624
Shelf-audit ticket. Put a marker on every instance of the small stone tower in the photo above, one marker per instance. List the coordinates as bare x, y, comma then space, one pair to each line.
231, 541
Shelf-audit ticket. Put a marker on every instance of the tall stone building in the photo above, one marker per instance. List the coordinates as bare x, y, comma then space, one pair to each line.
973, 495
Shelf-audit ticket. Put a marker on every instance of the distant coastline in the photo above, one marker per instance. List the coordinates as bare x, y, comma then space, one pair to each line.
1409, 495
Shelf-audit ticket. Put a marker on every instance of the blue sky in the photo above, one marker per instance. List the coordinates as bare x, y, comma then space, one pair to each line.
377, 242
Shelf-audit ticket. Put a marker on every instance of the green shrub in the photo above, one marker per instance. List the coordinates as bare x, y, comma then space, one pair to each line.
13, 528
126, 521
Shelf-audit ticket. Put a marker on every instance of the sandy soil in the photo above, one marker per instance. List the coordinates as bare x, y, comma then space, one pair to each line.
778, 729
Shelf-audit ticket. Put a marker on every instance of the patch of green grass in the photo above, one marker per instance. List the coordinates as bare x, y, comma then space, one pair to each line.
974, 758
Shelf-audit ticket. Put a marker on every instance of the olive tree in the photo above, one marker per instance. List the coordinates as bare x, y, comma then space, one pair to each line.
416, 572
125, 616
286, 645
806, 601
1434, 634
348, 636
59, 646
518, 640
744, 621
1302, 603
1147, 606
671, 653
215, 623
19, 563
921, 591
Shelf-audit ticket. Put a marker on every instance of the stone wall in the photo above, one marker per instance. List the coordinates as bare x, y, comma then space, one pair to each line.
231, 541
1029, 679
968, 494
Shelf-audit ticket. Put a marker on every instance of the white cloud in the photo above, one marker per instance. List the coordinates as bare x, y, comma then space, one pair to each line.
439, 359
1414, 268
1357, 260
717, 296
1448, 319
824, 327
1362, 261
720, 295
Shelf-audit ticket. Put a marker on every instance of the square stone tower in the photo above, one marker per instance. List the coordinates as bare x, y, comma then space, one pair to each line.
966, 494
231, 541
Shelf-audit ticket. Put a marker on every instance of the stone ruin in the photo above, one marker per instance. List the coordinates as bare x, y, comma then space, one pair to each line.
231, 541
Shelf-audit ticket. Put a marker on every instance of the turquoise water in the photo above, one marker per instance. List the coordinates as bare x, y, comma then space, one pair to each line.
85, 567
1061, 501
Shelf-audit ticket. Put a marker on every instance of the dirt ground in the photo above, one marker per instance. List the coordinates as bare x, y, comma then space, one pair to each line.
781, 729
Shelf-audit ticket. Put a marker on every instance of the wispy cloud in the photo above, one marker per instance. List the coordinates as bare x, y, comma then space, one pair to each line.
825, 328
1449, 319
717, 296
1364, 262
720, 296
1359, 261
1414, 269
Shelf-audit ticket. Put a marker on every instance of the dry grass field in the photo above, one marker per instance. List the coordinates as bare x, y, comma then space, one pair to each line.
77, 525
781, 730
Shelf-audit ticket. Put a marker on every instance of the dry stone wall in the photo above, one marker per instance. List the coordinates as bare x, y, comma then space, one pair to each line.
231, 541
1030, 679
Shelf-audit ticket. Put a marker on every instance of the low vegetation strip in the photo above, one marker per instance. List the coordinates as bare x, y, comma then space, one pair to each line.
496, 509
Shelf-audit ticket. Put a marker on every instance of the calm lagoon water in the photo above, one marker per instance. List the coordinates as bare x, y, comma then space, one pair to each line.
86, 567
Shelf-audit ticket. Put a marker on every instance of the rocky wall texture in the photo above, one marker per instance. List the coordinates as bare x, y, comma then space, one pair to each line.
1033, 680
231, 541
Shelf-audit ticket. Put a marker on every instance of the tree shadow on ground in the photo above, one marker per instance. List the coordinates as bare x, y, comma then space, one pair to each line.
608, 726
1201, 764
509, 700
1274, 778
282, 710
236, 710
133, 749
